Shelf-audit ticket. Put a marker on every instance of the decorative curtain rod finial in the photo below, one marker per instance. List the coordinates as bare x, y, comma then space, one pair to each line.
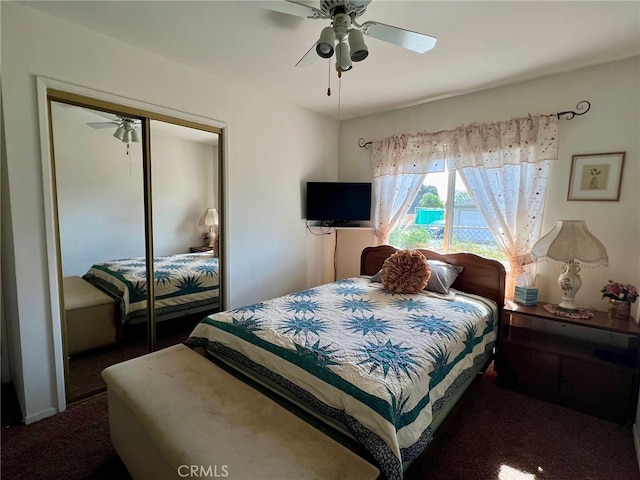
363, 144
580, 106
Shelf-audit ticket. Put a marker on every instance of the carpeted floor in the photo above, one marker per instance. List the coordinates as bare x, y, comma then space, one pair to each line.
73, 445
499, 435
504, 435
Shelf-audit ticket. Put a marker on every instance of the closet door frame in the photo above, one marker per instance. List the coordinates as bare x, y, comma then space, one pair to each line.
53, 90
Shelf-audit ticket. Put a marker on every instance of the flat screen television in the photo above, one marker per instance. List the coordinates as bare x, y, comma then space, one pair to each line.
339, 203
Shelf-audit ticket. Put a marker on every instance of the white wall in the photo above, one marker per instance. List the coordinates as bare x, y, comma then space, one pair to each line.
273, 147
184, 174
4, 346
349, 245
612, 125
4, 354
100, 193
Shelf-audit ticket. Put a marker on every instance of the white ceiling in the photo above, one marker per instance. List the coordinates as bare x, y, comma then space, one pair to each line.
480, 45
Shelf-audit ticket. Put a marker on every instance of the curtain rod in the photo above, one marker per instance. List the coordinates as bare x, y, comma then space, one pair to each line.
569, 114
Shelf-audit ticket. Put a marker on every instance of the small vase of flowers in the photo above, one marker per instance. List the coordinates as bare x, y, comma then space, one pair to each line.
621, 296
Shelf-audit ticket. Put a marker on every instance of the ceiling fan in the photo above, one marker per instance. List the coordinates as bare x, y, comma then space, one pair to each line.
125, 127
344, 36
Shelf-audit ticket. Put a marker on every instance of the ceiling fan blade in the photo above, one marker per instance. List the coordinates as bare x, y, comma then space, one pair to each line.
309, 58
100, 113
360, 3
416, 42
293, 8
102, 124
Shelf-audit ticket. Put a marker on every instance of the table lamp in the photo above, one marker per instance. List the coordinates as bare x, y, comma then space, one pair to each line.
573, 246
210, 221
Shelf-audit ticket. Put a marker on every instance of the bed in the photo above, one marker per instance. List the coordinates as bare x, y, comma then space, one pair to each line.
381, 368
184, 284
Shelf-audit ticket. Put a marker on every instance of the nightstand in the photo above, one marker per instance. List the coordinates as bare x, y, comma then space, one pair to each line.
202, 248
591, 365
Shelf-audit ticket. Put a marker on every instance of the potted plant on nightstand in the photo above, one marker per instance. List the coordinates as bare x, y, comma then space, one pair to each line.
621, 296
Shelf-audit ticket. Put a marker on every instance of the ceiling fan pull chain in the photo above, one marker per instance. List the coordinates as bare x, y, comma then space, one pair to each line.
339, 95
130, 162
329, 80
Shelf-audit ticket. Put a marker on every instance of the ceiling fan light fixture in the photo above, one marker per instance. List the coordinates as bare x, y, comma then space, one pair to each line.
343, 60
135, 137
345, 28
358, 48
324, 47
119, 133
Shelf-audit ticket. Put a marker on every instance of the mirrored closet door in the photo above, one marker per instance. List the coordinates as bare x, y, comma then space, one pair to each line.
137, 199
186, 227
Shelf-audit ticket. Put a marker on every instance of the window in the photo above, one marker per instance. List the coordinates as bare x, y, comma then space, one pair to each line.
444, 218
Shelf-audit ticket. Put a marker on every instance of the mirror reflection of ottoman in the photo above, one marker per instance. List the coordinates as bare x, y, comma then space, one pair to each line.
90, 316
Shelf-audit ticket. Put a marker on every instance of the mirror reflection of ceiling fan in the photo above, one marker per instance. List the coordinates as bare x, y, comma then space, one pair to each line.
126, 130
344, 36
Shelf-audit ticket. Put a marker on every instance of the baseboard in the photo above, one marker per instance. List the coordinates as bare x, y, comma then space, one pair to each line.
636, 442
49, 412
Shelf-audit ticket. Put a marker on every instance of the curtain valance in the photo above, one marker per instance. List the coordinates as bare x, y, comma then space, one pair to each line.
528, 139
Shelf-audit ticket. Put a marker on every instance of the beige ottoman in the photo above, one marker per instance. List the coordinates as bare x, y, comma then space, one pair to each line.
174, 414
90, 316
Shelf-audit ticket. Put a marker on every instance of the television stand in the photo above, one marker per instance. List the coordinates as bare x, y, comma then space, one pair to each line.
333, 223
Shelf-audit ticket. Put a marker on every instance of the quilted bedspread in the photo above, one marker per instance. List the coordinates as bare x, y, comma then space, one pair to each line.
181, 282
380, 363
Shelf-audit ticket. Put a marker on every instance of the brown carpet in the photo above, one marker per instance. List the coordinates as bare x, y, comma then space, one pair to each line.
501, 433
498, 434
73, 445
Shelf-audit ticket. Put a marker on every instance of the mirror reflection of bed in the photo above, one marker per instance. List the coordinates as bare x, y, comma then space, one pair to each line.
100, 195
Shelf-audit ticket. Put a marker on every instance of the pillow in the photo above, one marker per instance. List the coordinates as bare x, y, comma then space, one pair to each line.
406, 271
377, 277
442, 276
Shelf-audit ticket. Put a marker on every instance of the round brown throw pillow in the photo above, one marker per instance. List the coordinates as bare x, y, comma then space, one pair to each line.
406, 271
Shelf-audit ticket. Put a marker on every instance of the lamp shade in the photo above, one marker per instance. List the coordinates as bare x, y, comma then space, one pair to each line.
119, 133
209, 219
324, 47
359, 50
343, 60
571, 240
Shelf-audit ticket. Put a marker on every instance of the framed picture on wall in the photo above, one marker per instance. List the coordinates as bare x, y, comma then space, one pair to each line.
596, 176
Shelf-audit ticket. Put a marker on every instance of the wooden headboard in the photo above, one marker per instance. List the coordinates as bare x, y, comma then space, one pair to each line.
481, 276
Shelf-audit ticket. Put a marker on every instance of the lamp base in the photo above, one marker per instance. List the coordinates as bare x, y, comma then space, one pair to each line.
210, 237
569, 282
568, 305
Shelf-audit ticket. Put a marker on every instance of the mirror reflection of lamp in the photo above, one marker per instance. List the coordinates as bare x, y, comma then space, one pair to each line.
210, 221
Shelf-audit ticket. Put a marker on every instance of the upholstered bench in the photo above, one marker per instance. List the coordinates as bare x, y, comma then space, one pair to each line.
174, 414
90, 316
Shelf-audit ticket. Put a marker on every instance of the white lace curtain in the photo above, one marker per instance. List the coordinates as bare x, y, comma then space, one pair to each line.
505, 166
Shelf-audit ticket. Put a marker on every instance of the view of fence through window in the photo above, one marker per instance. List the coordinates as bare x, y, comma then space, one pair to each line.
424, 224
